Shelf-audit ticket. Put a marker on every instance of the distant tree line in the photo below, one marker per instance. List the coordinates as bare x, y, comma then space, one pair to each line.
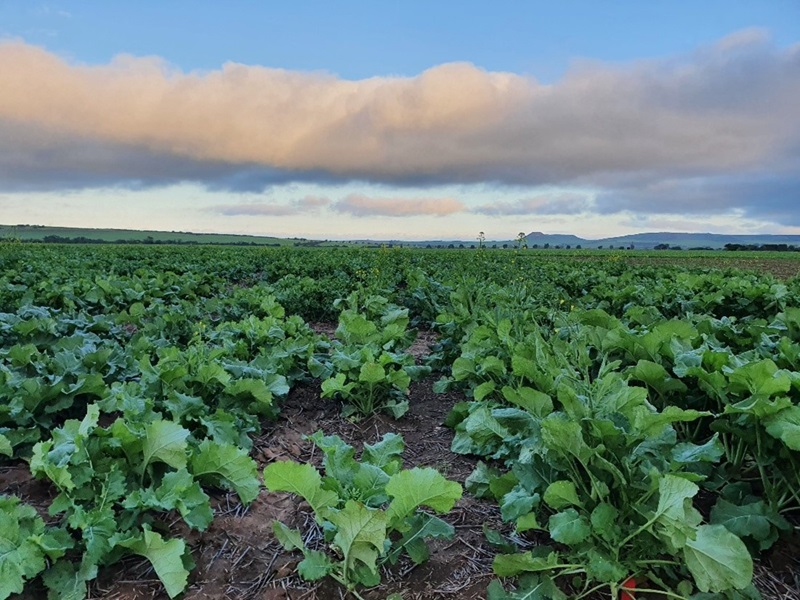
149, 240
763, 247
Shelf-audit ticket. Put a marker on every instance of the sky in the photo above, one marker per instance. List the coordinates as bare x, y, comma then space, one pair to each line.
402, 120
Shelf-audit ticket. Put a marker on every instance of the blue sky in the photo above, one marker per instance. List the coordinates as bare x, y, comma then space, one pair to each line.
402, 119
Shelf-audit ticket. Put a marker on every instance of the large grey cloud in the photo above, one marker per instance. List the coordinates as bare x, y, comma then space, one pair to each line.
632, 130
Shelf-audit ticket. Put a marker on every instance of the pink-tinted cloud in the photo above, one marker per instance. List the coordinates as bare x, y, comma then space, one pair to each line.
365, 206
454, 122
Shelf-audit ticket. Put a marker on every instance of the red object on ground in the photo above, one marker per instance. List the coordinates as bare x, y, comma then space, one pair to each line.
628, 591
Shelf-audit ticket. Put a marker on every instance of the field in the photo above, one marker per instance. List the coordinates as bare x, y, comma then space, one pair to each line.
270, 423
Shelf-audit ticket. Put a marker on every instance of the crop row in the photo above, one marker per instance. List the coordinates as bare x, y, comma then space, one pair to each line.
604, 400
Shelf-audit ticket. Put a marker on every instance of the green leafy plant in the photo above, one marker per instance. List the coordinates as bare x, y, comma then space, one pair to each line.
369, 510
367, 368
114, 481
26, 545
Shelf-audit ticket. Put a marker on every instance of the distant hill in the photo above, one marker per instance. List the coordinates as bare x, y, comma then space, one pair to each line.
648, 241
74, 234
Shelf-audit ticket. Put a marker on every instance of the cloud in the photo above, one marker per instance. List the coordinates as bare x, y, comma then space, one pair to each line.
641, 133
558, 204
307, 204
364, 206
766, 196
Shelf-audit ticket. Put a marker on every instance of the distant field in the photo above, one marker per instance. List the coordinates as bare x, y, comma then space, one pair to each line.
35, 233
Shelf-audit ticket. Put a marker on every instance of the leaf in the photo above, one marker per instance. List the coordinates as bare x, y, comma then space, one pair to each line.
534, 401
675, 514
785, 426
511, 565
290, 539
761, 378
178, 491
165, 556
227, 464
303, 480
687, 453
420, 487
314, 566
420, 528
497, 540
560, 494
568, 527
165, 441
604, 521
517, 503
565, 437
385, 453
604, 568
360, 535
66, 581
754, 520
5, 446
483, 390
371, 373
21, 558
718, 560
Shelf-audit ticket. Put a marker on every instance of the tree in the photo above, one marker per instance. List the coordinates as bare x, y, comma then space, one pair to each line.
481, 239
522, 241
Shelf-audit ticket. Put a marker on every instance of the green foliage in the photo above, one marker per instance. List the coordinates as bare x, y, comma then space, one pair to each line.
369, 509
368, 369
25, 545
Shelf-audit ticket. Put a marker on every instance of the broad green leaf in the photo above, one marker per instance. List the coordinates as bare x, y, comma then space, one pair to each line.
568, 527
603, 567
303, 480
229, 465
165, 556
785, 426
604, 521
675, 514
754, 520
718, 560
178, 491
463, 368
565, 437
255, 388
315, 565
21, 557
360, 535
165, 441
527, 523
420, 487
518, 503
560, 494
483, 390
761, 378
535, 402
511, 565
385, 453
688, 453
371, 373
67, 581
